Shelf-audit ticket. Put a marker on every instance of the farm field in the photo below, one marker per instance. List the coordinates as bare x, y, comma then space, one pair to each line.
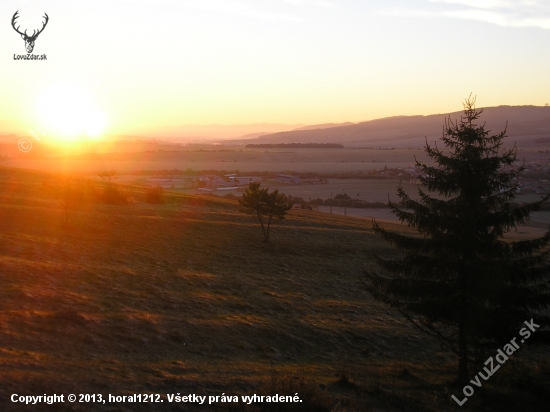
233, 158
244, 160
536, 227
185, 298
238, 159
369, 190
241, 160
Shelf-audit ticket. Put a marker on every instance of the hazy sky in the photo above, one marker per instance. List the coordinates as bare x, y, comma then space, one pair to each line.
134, 65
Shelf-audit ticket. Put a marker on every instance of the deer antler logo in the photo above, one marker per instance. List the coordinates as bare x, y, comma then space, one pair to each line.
29, 40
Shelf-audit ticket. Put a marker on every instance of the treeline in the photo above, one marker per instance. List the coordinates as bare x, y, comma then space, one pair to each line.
352, 203
338, 200
295, 146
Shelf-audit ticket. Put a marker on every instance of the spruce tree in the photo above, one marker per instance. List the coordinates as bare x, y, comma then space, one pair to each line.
459, 280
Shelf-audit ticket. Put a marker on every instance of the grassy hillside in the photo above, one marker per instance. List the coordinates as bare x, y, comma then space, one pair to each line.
185, 298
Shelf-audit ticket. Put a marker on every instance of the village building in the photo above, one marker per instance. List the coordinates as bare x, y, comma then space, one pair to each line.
244, 180
169, 182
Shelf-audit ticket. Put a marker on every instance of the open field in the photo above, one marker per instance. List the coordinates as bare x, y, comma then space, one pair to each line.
248, 161
184, 298
536, 227
244, 160
231, 158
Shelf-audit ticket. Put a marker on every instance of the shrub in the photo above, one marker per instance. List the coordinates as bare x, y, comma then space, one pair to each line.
154, 195
112, 195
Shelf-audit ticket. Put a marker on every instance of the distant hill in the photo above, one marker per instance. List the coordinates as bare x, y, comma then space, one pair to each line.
253, 135
295, 146
527, 125
324, 126
203, 133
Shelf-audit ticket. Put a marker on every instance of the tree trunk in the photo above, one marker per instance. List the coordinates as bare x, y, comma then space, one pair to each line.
462, 337
463, 355
266, 235
267, 231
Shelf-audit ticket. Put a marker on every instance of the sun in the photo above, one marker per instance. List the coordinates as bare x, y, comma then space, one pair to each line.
69, 113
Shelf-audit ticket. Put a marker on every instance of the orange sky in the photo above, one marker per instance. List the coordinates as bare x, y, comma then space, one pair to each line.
134, 67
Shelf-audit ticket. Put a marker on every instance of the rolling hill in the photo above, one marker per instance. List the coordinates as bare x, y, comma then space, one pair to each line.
528, 125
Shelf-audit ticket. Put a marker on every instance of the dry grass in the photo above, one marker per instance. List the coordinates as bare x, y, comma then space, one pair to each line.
184, 297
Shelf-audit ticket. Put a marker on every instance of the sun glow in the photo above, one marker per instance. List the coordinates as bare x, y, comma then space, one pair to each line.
68, 112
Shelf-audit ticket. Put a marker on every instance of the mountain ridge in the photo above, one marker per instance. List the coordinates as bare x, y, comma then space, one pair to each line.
527, 124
